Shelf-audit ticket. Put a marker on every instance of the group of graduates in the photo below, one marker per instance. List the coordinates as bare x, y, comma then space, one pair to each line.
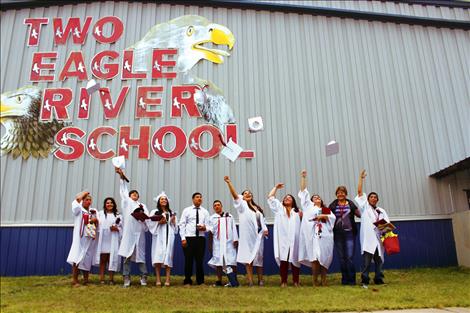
304, 235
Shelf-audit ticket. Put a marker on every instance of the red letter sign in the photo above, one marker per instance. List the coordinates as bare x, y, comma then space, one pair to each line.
184, 96
158, 145
74, 27
37, 66
112, 110
195, 140
118, 29
112, 68
62, 139
80, 72
143, 101
35, 30
92, 143
57, 99
125, 141
158, 63
128, 60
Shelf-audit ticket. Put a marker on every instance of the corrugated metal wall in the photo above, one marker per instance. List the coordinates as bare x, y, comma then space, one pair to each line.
391, 7
396, 98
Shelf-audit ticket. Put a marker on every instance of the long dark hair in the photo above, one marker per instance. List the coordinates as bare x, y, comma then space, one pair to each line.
159, 206
114, 206
294, 204
253, 204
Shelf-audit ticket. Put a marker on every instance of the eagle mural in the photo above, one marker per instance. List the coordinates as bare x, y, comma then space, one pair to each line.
194, 37
25, 135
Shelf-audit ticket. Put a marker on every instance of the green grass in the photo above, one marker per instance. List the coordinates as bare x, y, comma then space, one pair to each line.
413, 288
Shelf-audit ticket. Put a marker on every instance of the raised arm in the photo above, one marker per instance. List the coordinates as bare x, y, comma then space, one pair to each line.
303, 180
123, 184
233, 192
274, 204
272, 193
362, 176
77, 204
304, 195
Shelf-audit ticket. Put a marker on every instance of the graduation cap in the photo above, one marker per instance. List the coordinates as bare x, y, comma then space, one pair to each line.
255, 124
231, 150
92, 86
332, 148
119, 162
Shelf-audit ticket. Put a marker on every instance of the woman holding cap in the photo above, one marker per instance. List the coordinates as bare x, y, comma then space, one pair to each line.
109, 238
162, 226
252, 231
316, 233
286, 234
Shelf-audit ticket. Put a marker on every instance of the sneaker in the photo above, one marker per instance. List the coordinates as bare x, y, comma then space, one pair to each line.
365, 286
127, 281
228, 285
143, 280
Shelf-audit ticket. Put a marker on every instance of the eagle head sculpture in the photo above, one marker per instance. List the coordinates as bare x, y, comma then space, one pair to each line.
25, 135
194, 36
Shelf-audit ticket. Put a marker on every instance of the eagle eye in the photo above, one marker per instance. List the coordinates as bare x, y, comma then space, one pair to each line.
210, 30
190, 31
19, 99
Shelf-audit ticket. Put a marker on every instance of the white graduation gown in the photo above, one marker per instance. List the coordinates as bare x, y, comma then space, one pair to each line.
83, 248
286, 233
163, 241
313, 245
224, 234
104, 235
369, 235
133, 232
250, 243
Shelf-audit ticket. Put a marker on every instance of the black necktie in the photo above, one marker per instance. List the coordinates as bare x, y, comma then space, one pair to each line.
197, 221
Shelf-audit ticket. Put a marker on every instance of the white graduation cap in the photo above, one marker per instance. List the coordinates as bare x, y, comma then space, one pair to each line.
92, 86
255, 124
119, 162
231, 150
162, 194
332, 148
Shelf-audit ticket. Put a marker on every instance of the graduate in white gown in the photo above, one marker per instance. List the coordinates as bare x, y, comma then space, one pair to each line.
109, 238
223, 243
371, 245
286, 234
253, 230
163, 227
316, 233
83, 246
132, 246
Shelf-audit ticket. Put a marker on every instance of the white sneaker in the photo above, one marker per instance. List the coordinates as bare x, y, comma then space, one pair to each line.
143, 280
365, 286
127, 281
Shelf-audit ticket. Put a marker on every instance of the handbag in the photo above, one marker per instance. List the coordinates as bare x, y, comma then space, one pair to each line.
391, 243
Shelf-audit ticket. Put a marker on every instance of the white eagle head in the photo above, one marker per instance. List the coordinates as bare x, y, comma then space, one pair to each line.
194, 37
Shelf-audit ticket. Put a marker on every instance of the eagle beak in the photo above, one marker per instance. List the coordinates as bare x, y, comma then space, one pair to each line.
218, 35
221, 35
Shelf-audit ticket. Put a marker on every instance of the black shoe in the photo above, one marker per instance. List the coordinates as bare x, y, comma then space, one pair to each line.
379, 282
218, 284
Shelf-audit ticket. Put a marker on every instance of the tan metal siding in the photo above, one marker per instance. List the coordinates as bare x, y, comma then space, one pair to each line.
396, 98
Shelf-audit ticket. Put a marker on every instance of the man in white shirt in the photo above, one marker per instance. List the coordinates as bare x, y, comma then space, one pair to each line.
192, 230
